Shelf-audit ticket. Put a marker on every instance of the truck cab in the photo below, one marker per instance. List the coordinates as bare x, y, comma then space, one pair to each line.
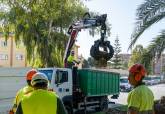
59, 80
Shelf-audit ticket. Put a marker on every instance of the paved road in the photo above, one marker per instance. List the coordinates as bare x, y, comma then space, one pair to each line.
9, 85
158, 90
5, 105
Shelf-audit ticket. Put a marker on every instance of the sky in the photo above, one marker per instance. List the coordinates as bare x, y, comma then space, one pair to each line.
122, 17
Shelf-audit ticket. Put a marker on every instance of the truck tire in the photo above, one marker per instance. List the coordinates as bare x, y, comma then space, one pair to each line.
104, 103
69, 109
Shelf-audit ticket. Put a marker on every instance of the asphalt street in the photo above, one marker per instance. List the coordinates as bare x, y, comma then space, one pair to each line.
9, 85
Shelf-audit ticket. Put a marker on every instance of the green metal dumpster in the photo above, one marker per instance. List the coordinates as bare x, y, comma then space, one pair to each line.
98, 83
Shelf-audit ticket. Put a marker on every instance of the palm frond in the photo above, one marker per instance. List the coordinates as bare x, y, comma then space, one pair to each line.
158, 45
142, 27
150, 8
153, 51
148, 13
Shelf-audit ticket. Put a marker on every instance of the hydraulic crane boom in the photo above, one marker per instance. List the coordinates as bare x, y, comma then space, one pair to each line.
85, 24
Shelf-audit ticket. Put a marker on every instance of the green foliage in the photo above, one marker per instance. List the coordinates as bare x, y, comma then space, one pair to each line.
148, 13
146, 60
91, 62
41, 25
125, 66
85, 64
142, 56
116, 60
157, 45
154, 51
95, 31
136, 55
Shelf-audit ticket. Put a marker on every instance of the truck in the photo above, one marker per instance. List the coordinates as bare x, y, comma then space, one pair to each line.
83, 90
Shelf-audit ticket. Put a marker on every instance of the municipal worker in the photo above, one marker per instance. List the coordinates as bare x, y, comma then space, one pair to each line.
25, 90
41, 101
140, 99
70, 61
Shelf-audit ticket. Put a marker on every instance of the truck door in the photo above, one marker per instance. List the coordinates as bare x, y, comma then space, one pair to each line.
63, 82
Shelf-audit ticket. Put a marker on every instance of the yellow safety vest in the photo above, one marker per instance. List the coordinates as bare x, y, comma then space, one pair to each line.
39, 102
70, 58
20, 94
142, 99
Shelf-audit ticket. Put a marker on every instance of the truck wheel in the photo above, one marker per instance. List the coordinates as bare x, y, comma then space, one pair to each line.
104, 103
69, 109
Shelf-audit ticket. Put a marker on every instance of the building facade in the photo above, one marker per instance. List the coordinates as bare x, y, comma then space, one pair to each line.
11, 55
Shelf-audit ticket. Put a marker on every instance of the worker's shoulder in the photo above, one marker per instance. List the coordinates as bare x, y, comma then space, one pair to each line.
20, 91
138, 89
143, 89
27, 89
52, 93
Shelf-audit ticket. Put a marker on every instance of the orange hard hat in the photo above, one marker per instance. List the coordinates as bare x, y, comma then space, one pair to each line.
138, 71
30, 74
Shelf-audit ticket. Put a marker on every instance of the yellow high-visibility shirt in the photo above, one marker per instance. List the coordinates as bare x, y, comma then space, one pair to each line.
20, 94
40, 102
141, 98
70, 58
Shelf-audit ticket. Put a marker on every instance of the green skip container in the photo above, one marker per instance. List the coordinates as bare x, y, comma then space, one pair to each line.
98, 82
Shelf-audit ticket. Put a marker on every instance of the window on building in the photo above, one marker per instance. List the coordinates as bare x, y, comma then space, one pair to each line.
3, 57
3, 43
19, 57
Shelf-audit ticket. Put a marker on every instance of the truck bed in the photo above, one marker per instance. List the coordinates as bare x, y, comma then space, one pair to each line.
98, 82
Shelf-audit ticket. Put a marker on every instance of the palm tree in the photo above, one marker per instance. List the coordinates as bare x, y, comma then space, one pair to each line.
136, 55
149, 13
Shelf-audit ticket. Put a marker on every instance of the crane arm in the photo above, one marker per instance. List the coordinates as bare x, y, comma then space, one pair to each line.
85, 23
